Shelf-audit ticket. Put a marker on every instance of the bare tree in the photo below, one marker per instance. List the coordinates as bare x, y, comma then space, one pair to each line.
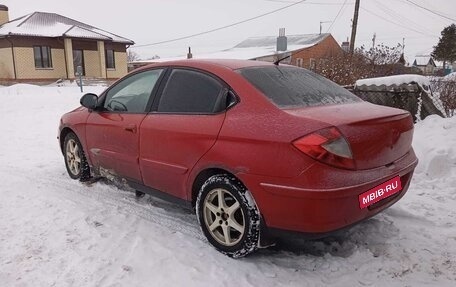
346, 68
445, 89
132, 56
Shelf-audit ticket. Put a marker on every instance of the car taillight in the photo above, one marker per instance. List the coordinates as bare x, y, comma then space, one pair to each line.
328, 146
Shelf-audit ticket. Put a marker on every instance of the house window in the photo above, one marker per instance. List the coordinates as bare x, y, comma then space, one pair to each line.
313, 64
110, 60
43, 57
299, 62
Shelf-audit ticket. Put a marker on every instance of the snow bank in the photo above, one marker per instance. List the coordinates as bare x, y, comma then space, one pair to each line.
450, 77
435, 142
58, 232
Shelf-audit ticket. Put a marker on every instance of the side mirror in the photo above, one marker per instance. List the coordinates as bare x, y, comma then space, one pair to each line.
89, 101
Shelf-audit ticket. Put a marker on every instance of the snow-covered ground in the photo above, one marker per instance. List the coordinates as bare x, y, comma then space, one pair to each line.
58, 232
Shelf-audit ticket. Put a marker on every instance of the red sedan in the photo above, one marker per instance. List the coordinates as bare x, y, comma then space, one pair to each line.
255, 148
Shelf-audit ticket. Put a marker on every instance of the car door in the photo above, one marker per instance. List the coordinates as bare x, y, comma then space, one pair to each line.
112, 131
183, 126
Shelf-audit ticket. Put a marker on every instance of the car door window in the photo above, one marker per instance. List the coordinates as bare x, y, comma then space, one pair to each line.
192, 92
132, 94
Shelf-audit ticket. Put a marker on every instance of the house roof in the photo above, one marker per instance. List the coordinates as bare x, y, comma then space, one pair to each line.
297, 42
423, 61
42, 24
255, 47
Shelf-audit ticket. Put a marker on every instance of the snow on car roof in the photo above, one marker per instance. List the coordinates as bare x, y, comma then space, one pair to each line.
42, 24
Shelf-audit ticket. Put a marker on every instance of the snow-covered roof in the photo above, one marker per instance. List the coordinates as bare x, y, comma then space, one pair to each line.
423, 61
42, 24
295, 42
254, 48
393, 81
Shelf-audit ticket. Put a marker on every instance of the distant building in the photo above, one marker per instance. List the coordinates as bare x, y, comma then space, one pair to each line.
426, 64
47, 46
345, 46
305, 50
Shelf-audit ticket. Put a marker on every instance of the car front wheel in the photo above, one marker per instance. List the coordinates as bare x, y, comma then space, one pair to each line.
75, 159
228, 216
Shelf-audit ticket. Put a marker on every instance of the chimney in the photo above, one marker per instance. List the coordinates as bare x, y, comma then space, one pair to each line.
345, 46
189, 54
4, 17
282, 40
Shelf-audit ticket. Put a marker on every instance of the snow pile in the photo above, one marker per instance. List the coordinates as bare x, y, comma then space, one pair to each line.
436, 144
450, 77
58, 232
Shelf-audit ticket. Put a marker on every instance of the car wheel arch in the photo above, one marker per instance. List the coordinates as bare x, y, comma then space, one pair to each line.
204, 175
63, 133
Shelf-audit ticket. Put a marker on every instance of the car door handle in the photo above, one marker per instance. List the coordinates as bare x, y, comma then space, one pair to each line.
131, 128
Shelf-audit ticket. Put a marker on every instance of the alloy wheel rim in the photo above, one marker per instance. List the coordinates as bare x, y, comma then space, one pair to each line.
73, 157
224, 217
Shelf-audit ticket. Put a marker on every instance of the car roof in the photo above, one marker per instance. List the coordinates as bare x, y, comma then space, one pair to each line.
206, 63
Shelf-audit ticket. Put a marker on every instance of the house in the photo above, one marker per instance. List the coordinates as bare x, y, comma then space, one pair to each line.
426, 64
46, 46
305, 50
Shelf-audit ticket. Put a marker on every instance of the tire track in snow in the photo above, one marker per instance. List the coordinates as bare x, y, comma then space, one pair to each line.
108, 196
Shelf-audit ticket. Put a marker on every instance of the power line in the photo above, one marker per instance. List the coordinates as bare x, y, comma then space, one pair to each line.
432, 11
311, 3
395, 23
221, 28
403, 20
337, 16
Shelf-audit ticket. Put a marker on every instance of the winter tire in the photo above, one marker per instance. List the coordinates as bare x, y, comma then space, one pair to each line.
75, 159
228, 216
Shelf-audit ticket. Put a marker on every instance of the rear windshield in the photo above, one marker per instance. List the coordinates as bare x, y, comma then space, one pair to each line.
292, 87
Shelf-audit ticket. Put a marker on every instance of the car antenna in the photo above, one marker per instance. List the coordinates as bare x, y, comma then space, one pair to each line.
280, 60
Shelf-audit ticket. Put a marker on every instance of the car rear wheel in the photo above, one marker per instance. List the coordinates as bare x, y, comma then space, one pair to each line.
75, 159
228, 216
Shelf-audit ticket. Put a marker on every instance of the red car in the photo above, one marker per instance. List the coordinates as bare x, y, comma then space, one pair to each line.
255, 148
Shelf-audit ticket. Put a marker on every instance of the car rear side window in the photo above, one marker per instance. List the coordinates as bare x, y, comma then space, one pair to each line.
291, 87
190, 92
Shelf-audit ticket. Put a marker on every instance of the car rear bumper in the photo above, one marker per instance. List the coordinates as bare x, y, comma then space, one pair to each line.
332, 201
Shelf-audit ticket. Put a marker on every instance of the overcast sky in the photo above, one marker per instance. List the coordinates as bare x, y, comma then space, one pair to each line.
151, 21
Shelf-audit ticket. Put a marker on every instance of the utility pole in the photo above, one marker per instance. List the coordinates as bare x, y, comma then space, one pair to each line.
354, 26
373, 40
403, 45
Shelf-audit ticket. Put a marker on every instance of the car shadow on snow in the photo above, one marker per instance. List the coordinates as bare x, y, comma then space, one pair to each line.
372, 235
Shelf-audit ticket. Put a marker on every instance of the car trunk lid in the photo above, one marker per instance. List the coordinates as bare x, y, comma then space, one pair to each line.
377, 135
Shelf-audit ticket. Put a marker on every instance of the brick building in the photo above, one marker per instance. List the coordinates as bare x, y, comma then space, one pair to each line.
305, 50
47, 46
